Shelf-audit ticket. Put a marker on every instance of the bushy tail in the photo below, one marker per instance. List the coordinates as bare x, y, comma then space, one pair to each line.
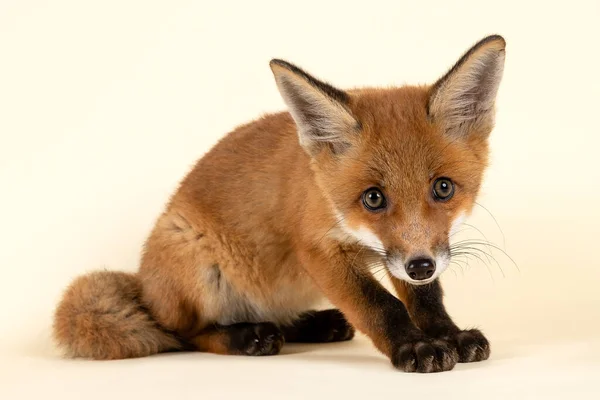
101, 316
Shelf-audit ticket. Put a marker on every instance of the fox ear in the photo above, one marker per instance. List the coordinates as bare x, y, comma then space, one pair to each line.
319, 110
463, 100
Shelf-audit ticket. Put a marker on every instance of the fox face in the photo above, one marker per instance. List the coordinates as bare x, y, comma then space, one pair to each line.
400, 168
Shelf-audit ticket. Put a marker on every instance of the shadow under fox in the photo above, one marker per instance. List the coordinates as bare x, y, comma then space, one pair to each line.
300, 205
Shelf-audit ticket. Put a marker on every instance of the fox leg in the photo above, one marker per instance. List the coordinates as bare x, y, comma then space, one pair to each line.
250, 339
373, 310
426, 307
260, 339
319, 327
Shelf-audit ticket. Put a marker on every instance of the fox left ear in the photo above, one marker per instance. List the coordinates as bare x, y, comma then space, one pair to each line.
463, 100
319, 110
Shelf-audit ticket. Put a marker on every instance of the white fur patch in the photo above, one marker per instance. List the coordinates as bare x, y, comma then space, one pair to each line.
457, 223
396, 267
366, 236
441, 263
362, 234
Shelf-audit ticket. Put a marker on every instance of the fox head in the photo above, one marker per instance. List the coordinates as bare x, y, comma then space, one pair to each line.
400, 167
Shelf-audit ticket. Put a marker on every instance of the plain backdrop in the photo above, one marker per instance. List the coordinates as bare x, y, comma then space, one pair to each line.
105, 106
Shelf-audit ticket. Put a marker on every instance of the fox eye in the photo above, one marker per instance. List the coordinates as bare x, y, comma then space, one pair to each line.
443, 189
373, 199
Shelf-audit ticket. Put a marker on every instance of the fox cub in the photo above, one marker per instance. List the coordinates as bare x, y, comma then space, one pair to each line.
295, 206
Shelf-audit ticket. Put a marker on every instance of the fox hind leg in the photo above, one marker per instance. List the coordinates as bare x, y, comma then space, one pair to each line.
319, 327
266, 338
250, 339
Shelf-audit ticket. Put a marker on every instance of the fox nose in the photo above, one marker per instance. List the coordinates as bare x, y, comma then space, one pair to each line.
420, 268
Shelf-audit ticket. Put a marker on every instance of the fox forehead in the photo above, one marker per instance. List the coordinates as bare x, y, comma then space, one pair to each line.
390, 105
398, 146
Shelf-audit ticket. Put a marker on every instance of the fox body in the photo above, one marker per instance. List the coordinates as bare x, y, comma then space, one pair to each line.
298, 206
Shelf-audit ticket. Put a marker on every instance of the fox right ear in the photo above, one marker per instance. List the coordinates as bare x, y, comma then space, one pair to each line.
319, 110
462, 101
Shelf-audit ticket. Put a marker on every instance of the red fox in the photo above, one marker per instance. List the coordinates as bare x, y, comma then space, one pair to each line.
296, 206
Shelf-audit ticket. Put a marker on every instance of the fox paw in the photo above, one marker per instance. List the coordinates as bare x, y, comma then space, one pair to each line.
264, 339
470, 344
424, 355
331, 326
320, 327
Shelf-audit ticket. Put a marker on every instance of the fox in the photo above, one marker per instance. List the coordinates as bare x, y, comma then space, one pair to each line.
299, 206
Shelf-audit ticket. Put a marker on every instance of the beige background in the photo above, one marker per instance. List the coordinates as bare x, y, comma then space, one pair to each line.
104, 106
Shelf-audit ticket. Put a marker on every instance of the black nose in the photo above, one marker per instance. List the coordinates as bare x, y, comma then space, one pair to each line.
421, 268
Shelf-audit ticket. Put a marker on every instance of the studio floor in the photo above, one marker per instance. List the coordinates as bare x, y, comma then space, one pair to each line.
559, 370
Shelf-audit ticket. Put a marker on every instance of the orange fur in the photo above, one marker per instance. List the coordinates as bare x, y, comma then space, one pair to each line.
258, 230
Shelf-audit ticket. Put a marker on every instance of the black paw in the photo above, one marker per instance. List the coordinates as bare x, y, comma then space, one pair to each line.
320, 327
424, 355
264, 339
471, 345
331, 326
